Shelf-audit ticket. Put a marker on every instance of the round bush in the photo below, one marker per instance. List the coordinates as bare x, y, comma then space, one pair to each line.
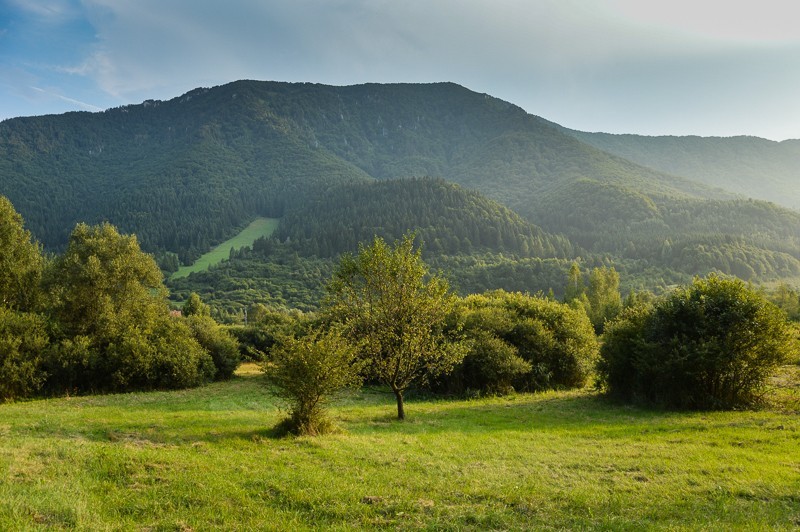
219, 343
526, 343
711, 345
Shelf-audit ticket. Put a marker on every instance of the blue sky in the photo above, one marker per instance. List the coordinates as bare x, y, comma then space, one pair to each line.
704, 67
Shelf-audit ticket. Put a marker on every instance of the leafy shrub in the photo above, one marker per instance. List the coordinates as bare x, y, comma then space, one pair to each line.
23, 338
219, 343
492, 365
307, 371
525, 343
111, 320
711, 345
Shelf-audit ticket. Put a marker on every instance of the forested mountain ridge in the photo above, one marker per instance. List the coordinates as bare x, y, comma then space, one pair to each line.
332, 163
186, 173
181, 176
750, 166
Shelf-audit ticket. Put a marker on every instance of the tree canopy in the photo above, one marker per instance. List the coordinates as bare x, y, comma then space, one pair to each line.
21, 261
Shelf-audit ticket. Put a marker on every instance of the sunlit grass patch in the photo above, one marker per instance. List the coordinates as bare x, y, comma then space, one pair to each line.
258, 228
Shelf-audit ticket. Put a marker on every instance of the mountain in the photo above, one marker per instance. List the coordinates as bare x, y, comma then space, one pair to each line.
187, 173
334, 164
750, 166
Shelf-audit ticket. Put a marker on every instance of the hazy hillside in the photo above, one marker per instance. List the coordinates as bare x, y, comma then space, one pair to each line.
750, 166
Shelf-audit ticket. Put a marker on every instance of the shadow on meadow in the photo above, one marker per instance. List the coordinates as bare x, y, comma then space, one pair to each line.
242, 410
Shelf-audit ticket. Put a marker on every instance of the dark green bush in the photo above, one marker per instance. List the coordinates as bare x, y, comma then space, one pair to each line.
711, 345
221, 345
257, 338
23, 337
523, 342
492, 365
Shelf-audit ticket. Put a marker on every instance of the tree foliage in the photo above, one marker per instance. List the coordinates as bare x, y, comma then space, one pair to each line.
194, 306
21, 261
396, 312
217, 342
113, 319
23, 341
709, 345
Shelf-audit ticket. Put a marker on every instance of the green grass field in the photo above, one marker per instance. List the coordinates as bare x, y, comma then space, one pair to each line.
257, 228
206, 459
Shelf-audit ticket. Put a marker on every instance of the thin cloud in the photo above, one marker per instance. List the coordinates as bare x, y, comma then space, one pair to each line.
50, 11
83, 105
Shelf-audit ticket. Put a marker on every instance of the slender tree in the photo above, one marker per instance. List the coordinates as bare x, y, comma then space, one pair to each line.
603, 295
396, 311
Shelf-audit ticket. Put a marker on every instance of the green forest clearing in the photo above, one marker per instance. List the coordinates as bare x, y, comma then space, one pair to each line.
260, 227
207, 458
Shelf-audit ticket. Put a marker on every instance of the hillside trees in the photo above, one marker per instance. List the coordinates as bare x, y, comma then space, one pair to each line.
712, 344
396, 312
450, 219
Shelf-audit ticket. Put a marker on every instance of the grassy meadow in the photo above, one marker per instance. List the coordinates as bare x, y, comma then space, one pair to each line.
207, 459
257, 228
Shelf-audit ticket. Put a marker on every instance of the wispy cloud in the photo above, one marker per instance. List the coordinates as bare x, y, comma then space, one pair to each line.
54, 11
83, 105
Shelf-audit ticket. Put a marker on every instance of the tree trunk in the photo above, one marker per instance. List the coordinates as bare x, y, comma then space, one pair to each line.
401, 412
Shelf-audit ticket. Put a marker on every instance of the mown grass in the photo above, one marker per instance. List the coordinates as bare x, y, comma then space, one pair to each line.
257, 228
207, 459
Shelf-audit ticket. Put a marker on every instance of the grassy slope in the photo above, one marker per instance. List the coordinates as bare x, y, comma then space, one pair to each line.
257, 228
205, 458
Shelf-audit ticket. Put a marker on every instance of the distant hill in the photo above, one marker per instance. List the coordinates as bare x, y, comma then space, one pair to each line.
447, 218
750, 166
459, 230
